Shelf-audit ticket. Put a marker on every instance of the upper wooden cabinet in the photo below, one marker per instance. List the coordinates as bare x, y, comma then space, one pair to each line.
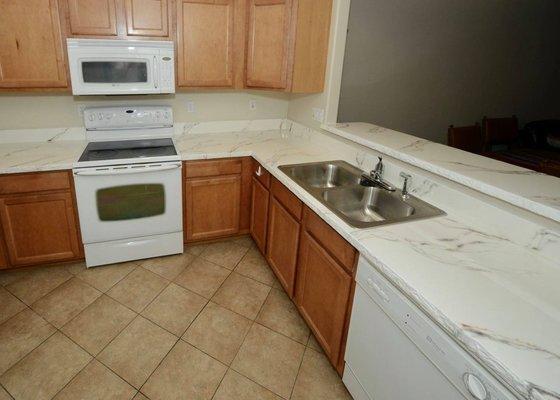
288, 44
119, 19
147, 17
31, 48
93, 17
205, 42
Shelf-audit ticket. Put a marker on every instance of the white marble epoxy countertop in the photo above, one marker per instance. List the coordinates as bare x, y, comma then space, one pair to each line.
536, 192
499, 300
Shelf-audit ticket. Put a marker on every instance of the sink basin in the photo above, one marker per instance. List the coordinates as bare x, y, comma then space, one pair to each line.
324, 175
368, 204
336, 184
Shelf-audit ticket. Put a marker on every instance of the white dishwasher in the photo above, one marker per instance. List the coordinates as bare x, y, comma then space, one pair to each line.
395, 352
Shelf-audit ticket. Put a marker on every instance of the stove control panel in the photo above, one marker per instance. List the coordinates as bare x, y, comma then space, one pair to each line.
133, 117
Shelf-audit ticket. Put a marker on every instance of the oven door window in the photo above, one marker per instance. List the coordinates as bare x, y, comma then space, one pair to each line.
121, 203
115, 71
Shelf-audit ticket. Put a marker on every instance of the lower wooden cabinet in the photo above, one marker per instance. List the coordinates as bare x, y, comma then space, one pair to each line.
282, 245
323, 294
216, 198
259, 214
212, 207
3, 256
39, 228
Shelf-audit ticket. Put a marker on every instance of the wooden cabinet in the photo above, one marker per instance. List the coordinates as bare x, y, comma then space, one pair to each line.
283, 235
31, 47
3, 255
288, 44
259, 205
118, 19
325, 285
38, 219
213, 193
93, 17
147, 17
205, 42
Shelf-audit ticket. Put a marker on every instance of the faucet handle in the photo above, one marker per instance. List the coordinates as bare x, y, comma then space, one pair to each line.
404, 193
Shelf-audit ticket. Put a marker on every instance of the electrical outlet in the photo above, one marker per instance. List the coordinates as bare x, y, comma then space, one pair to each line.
318, 114
190, 106
252, 105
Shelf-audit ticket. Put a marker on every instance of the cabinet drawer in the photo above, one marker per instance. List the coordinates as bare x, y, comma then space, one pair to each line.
198, 169
261, 174
333, 243
287, 198
34, 182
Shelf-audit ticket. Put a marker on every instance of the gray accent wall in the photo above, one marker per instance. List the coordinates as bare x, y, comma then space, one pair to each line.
418, 66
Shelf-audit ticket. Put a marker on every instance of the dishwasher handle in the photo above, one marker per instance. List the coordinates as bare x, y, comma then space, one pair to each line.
378, 289
127, 170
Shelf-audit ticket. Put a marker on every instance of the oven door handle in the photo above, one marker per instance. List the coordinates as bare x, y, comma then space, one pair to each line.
127, 170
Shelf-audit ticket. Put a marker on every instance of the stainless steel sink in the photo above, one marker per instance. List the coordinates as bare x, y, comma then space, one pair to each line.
336, 184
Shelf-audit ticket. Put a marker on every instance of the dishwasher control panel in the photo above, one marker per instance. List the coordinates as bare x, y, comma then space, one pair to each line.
460, 368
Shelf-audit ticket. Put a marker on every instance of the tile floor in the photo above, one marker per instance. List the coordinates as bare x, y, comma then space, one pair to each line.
212, 323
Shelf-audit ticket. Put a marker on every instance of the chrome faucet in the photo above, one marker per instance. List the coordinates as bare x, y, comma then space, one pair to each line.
375, 177
404, 192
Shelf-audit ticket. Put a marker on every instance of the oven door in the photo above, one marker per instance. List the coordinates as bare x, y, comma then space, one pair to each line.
129, 201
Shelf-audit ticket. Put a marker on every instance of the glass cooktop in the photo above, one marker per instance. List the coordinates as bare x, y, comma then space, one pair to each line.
128, 149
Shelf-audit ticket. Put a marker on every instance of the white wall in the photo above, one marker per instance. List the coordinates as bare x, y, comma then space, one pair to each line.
34, 110
419, 66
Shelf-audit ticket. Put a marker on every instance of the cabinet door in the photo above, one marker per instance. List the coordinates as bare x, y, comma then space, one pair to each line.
3, 256
31, 50
270, 38
282, 245
147, 17
93, 17
39, 228
205, 32
322, 295
259, 214
212, 207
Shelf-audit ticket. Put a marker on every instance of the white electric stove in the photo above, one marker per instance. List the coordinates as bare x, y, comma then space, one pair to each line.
128, 185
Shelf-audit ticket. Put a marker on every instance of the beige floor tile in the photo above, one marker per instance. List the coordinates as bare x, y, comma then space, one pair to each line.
140, 396
98, 324
195, 249
4, 395
38, 282
9, 305
186, 373
226, 254
175, 308
253, 265
168, 267
136, 352
312, 343
21, 334
138, 289
281, 315
51, 365
242, 295
202, 277
245, 241
218, 332
65, 302
12, 275
318, 380
236, 386
105, 277
270, 359
96, 382
76, 267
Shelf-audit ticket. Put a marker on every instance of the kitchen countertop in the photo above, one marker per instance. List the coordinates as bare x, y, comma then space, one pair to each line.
498, 299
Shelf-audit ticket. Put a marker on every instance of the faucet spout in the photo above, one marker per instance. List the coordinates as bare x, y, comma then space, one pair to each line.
375, 178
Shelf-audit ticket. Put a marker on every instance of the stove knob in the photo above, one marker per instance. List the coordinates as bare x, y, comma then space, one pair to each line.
91, 117
475, 386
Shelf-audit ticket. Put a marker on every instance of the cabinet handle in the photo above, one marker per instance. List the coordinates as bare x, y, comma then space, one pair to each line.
259, 172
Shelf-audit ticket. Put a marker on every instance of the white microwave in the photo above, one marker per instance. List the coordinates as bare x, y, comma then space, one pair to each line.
106, 67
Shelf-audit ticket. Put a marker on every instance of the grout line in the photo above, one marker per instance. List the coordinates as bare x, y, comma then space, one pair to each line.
158, 365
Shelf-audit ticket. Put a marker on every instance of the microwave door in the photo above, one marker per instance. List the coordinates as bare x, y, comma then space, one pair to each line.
117, 75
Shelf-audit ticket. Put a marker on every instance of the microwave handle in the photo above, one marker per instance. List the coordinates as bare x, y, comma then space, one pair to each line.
155, 69
126, 171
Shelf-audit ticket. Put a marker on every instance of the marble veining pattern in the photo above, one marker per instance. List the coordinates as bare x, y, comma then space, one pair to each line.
524, 188
495, 294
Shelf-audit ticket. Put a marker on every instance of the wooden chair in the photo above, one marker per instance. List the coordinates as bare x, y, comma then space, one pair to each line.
468, 138
499, 131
